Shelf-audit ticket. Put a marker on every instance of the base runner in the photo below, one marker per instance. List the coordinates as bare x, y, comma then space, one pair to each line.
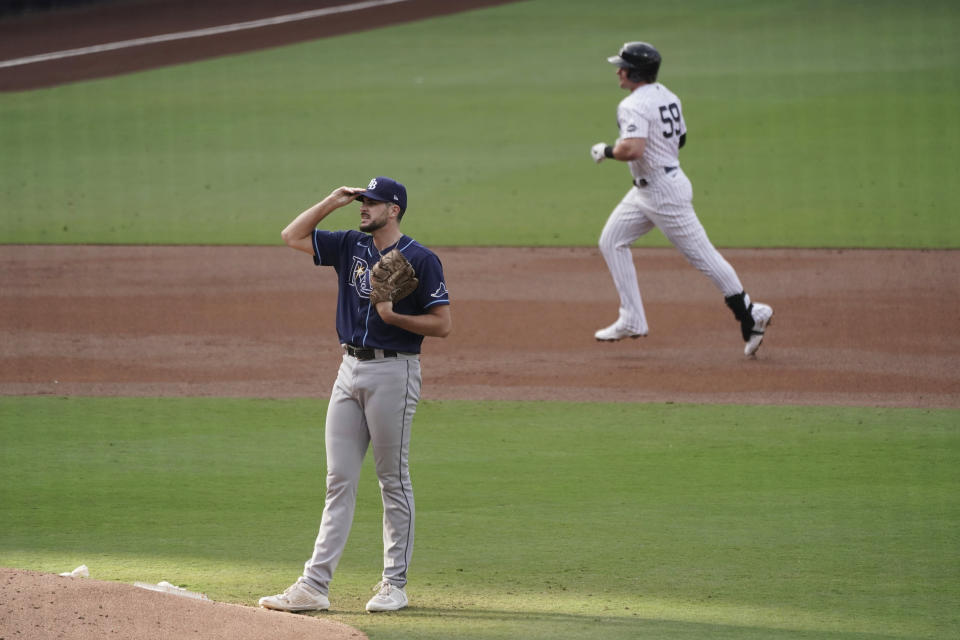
652, 131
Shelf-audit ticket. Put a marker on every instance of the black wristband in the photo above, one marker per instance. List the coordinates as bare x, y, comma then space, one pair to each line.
608, 151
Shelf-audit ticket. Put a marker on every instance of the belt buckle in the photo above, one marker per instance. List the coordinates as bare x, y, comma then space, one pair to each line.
359, 352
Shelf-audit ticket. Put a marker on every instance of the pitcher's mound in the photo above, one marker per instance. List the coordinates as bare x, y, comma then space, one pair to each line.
41, 606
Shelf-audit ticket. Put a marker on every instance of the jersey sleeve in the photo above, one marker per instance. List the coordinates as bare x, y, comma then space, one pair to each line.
632, 122
326, 247
432, 289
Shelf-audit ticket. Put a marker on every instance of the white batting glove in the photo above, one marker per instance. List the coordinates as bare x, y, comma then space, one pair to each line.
596, 152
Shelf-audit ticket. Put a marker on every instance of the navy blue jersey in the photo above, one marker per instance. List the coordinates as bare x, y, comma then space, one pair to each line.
353, 254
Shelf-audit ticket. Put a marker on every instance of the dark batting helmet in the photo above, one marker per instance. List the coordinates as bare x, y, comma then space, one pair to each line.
640, 59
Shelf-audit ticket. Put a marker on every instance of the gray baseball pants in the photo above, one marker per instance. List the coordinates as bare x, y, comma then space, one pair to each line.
372, 402
666, 203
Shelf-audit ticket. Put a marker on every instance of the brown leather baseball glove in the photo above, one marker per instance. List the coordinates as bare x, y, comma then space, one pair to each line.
393, 278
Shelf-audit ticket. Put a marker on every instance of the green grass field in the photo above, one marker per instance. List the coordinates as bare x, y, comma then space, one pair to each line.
534, 520
812, 123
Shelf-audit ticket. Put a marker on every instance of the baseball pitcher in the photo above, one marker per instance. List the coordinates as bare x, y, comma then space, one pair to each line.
392, 293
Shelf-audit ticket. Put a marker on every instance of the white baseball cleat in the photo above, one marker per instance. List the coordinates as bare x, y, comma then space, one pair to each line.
299, 596
615, 332
388, 598
762, 318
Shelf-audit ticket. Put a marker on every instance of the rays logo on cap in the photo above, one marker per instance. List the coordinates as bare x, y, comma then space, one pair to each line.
383, 189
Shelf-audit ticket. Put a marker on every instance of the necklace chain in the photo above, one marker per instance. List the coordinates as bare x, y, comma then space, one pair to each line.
385, 248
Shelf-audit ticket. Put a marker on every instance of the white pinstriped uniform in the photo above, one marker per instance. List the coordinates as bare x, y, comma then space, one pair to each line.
662, 199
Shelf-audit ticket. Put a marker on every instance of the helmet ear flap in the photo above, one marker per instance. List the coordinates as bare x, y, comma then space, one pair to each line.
640, 75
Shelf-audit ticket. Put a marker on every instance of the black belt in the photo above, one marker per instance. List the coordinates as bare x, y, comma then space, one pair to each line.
643, 182
366, 353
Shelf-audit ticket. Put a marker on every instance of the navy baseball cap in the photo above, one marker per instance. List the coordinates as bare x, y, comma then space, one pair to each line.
385, 189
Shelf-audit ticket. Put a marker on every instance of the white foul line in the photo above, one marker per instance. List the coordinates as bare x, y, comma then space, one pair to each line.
197, 33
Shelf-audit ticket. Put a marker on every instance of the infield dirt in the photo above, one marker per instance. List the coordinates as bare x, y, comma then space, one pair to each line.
868, 328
